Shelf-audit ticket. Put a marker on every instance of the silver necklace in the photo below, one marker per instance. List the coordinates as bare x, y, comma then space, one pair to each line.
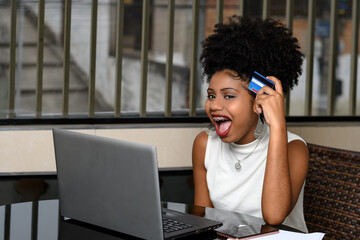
238, 165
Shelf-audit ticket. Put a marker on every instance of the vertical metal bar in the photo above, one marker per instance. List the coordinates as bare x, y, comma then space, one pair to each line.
34, 220
219, 11
354, 56
7, 222
119, 55
94, 9
310, 57
12, 58
40, 57
194, 59
332, 57
19, 53
266, 9
289, 17
66, 61
144, 57
241, 8
169, 57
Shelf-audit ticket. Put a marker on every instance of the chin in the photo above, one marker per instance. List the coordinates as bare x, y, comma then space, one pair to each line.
227, 139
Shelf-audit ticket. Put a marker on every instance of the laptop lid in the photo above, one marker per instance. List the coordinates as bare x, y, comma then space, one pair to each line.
109, 183
115, 184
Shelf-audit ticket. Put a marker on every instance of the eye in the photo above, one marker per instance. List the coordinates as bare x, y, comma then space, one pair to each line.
228, 96
209, 96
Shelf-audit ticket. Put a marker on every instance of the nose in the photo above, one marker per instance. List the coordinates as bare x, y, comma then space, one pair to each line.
215, 104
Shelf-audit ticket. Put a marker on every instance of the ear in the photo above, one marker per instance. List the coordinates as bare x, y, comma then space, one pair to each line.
256, 108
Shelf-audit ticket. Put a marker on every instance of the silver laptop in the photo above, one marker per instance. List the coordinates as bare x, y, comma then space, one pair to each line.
115, 184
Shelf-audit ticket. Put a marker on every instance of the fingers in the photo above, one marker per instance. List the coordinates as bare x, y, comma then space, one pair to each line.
270, 91
278, 86
268, 97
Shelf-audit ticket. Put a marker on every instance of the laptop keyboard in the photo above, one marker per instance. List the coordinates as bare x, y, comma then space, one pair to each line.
171, 225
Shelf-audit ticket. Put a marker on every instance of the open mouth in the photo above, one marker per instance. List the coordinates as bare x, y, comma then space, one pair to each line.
222, 125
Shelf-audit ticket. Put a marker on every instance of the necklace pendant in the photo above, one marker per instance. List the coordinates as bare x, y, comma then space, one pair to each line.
237, 165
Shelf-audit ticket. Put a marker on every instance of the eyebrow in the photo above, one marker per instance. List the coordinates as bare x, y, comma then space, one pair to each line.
223, 89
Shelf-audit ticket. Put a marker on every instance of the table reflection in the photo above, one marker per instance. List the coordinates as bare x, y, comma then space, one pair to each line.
41, 220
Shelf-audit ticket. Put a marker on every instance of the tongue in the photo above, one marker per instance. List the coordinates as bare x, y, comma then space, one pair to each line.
223, 126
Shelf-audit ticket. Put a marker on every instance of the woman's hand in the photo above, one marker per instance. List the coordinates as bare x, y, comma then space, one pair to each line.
270, 102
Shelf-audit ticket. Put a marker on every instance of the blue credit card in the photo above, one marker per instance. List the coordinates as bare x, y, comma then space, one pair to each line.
258, 81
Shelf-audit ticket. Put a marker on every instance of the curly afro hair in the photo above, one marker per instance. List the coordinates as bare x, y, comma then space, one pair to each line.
245, 45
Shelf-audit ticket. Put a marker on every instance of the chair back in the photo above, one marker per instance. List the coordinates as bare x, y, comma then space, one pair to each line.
332, 192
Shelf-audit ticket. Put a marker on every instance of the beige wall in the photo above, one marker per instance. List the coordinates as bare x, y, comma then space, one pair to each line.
344, 137
28, 150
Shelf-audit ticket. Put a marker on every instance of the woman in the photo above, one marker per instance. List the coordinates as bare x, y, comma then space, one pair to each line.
248, 162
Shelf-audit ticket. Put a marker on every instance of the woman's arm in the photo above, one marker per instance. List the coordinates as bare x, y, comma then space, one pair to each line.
284, 177
287, 163
201, 197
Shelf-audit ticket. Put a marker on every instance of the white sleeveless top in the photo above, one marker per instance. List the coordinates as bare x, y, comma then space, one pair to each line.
241, 190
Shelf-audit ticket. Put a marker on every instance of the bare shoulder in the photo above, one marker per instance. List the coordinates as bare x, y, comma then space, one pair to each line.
298, 153
201, 140
298, 147
199, 146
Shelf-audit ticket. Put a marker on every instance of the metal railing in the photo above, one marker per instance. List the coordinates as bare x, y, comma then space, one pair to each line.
32, 208
194, 75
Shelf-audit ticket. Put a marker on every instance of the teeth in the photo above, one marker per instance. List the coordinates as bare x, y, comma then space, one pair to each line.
220, 119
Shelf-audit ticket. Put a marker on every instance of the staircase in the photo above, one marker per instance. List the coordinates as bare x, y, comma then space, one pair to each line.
26, 72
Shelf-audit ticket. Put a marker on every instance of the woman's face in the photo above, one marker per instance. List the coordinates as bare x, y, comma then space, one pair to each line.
230, 108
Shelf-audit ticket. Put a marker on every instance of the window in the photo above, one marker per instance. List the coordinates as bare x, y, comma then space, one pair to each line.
33, 77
